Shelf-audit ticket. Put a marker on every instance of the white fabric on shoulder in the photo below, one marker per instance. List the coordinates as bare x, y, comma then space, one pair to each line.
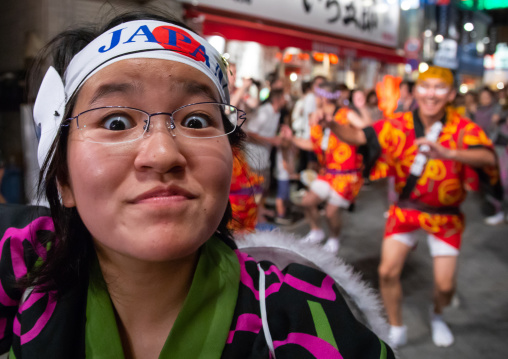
282, 248
48, 112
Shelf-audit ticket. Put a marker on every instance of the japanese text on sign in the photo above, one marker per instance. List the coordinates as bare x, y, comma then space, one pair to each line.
374, 21
363, 17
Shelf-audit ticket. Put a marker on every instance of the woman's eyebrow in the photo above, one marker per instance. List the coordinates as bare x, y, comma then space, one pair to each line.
196, 88
188, 87
111, 88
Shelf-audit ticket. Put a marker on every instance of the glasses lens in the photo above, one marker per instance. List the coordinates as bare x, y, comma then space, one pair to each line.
112, 124
205, 120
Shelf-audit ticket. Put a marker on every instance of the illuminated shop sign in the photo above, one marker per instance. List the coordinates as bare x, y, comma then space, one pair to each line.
482, 4
499, 60
501, 56
446, 55
375, 21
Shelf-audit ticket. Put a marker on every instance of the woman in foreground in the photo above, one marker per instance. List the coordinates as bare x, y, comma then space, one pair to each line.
136, 259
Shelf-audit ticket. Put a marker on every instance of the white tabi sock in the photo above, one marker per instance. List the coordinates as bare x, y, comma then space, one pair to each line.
398, 336
441, 335
332, 245
315, 236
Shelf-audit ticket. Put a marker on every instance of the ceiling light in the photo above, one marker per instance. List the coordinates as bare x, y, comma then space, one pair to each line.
468, 26
423, 67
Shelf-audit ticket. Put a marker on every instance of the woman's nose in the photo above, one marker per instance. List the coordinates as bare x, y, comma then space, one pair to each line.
159, 149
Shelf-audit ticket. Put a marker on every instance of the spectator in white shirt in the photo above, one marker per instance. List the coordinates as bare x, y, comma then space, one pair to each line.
261, 131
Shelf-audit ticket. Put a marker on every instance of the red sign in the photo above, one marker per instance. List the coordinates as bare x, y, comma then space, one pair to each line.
412, 48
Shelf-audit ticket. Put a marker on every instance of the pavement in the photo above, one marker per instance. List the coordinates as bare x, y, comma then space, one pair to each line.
479, 316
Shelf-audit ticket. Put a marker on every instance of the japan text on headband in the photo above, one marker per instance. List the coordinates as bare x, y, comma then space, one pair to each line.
135, 39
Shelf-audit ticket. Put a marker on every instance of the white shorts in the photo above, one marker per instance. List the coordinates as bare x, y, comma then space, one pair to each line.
324, 191
437, 247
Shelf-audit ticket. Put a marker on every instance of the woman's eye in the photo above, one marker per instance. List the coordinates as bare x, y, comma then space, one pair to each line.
117, 123
196, 121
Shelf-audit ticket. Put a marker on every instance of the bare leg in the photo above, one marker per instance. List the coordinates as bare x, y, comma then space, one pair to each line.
333, 217
393, 256
334, 220
309, 203
444, 287
444, 281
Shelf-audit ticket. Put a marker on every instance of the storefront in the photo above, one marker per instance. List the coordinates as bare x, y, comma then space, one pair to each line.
496, 68
347, 41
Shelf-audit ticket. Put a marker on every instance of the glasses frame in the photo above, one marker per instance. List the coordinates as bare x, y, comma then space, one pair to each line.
241, 117
438, 91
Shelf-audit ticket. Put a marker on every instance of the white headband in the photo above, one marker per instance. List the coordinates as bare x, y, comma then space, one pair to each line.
135, 39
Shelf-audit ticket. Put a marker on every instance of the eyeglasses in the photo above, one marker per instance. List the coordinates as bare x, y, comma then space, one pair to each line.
120, 124
438, 91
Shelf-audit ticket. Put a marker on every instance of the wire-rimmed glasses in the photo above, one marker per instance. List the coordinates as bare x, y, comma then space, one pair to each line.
120, 124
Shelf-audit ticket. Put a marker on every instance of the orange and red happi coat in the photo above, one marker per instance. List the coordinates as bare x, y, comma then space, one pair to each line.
340, 163
244, 186
443, 182
433, 204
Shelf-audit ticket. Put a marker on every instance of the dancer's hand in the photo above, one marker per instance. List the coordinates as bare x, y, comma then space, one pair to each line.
325, 120
316, 117
246, 83
434, 150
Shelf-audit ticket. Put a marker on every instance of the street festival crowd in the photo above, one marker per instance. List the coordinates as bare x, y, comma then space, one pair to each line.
313, 153
433, 145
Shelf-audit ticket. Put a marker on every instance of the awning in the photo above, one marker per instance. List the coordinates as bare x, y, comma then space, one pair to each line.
235, 28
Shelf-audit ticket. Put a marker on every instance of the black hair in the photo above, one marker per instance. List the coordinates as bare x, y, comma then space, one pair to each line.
488, 90
318, 77
473, 94
272, 78
342, 87
306, 86
351, 104
276, 94
72, 250
370, 94
409, 84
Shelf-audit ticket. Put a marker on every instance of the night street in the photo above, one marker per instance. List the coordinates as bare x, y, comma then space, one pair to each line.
159, 132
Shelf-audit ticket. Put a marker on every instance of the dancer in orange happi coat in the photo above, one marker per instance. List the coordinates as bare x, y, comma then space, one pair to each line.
245, 186
430, 152
339, 179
